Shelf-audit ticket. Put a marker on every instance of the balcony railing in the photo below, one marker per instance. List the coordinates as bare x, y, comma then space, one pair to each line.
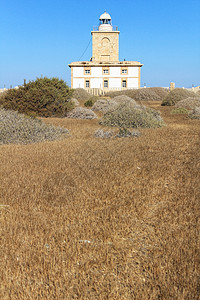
100, 91
96, 28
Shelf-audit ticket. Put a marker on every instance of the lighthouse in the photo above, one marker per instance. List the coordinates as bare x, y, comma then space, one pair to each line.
104, 72
105, 40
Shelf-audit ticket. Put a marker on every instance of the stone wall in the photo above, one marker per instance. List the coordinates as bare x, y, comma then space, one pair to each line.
105, 46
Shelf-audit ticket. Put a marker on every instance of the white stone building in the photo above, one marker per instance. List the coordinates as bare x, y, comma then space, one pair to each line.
104, 71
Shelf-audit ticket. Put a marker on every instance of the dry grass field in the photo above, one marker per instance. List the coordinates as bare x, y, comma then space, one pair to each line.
89, 218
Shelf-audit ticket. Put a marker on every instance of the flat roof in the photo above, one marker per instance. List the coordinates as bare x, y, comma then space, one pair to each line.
105, 64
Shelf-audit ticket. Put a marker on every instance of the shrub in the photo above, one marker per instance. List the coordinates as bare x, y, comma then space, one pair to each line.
128, 115
143, 94
179, 110
81, 94
90, 102
124, 132
17, 128
113, 94
188, 103
2, 93
75, 102
176, 95
100, 133
151, 94
195, 113
43, 97
124, 99
81, 113
104, 105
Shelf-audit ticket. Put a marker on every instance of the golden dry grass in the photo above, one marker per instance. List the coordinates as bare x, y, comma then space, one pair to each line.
85, 218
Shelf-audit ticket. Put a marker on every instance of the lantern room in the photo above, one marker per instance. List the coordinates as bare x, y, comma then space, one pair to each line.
105, 22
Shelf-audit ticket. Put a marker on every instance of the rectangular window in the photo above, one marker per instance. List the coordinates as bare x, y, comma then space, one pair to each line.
124, 70
106, 83
106, 70
124, 83
87, 71
87, 83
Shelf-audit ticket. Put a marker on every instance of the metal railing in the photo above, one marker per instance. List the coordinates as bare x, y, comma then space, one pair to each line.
100, 91
96, 28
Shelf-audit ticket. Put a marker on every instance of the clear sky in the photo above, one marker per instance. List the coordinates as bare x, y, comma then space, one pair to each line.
41, 37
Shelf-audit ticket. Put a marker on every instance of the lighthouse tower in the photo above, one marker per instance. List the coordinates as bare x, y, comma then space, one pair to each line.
105, 40
104, 71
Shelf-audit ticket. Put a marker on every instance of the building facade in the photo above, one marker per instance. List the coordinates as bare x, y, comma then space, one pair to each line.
104, 71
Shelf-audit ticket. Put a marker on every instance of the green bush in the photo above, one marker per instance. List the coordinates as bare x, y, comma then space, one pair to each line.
130, 116
176, 95
43, 97
90, 102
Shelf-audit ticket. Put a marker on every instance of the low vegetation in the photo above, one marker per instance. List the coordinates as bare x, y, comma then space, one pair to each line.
94, 218
129, 115
124, 132
194, 113
75, 102
177, 95
81, 113
179, 110
104, 105
100, 133
123, 99
143, 94
81, 94
43, 97
17, 128
91, 101
188, 103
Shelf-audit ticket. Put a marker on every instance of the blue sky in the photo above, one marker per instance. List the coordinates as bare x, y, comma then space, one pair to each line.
42, 37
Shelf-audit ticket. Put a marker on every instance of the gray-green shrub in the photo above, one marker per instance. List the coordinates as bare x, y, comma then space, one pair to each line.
195, 113
127, 115
176, 95
16, 128
143, 94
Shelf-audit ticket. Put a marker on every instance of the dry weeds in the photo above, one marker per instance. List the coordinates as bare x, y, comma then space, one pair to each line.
88, 218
